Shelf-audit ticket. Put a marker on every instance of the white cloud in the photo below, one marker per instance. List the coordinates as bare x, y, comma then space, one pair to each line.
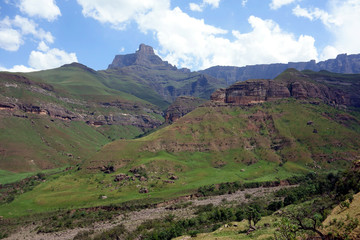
13, 31
195, 7
315, 14
17, 68
200, 7
329, 52
46, 9
190, 42
43, 59
10, 39
244, 2
212, 3
43, 47
28, 26
276, 4
342, 20
51, 58
119, 12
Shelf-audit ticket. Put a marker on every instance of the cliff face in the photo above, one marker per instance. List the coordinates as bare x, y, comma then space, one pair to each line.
145, 56
251, 92
145, 68
290, 84
124, 113
182, 106
343, 63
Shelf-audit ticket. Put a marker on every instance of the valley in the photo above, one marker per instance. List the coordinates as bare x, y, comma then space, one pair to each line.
143, 145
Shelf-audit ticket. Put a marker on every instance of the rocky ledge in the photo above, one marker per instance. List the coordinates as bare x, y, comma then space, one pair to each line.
296, 85
182, 106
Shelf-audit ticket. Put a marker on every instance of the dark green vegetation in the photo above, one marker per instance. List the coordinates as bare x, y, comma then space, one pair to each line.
313, 200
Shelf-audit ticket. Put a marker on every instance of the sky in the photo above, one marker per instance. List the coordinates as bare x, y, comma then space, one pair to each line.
196, 34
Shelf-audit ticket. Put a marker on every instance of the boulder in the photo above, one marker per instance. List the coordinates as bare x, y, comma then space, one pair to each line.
143, 190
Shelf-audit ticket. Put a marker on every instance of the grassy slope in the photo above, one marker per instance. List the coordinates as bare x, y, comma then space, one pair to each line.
81, 82
237, 230
344, 215
38, 142
239, 149
133, 85
35, 144
150, 84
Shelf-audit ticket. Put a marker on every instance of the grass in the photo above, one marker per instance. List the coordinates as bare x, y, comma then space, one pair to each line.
32, 142
237, 230
7, 177
340, 217
207, 146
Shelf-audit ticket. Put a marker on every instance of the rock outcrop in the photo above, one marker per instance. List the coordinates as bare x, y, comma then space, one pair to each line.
343, 63
291, 84
58, 112
145, 68
181, 106
145, 56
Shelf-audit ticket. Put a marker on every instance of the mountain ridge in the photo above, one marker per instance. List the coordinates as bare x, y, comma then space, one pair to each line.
343, 63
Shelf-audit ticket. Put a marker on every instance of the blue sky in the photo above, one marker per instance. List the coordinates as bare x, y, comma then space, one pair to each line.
44, 34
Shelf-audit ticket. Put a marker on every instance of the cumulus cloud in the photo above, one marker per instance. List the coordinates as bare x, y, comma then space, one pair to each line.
28, 26
17, 68
244, 2
46, 9
195, 7
276, 4
200, 7
119, 12
341, 19
48, 58
44, 58
10, 39
189, 42
12, 32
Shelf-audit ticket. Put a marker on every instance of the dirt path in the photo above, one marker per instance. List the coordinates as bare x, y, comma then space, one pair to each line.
132, 220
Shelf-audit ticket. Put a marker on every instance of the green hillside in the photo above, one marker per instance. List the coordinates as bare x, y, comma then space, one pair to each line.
56, 117
210, 145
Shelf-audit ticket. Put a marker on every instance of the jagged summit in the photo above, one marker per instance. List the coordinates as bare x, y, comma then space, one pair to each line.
145, 57
145, 50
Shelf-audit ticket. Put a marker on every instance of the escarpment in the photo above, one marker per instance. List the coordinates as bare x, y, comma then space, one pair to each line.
291, 83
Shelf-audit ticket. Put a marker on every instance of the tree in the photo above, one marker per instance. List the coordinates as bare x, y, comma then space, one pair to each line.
305, 218
253, 215
286, 230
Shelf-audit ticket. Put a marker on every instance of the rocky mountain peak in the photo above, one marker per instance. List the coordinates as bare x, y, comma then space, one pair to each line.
145, 50
145, 57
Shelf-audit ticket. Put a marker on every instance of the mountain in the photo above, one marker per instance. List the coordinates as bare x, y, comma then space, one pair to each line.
146, 71
334, 89
343, 63
294, 128
145, 56
213, 144
62, 116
